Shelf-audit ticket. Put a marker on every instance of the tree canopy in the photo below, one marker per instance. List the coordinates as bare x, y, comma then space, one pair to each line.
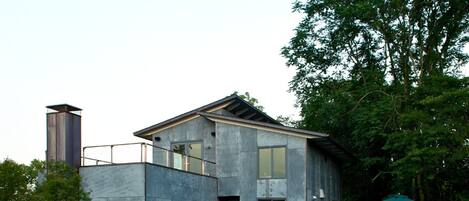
59, 181
383, 78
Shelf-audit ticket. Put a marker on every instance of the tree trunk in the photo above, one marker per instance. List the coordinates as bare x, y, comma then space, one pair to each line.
420, 187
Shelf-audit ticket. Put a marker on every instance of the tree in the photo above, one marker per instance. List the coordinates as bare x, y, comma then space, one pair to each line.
62, 182
20, 182
436, 164
14, 181
381, 77
368, 40
253, 101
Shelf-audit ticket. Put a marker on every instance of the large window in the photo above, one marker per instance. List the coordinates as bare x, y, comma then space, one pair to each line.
272, 162
187, 156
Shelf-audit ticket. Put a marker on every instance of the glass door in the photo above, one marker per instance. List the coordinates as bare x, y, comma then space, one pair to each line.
187, 156
179, 150
195, 162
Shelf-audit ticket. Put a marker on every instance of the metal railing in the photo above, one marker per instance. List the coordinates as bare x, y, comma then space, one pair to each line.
141, 152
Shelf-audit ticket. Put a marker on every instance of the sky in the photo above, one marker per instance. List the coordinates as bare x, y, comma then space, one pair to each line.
132, 64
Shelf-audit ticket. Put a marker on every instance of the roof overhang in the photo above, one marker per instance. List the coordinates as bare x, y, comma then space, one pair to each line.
63, 108
247, 115
262, 126
330, 146
233, 104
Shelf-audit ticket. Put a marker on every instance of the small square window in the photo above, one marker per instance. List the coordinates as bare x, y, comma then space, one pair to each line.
272, 162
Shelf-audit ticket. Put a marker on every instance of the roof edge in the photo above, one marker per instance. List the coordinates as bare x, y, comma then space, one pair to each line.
348, 155
142, 132
264, 124
258, 110
233, 97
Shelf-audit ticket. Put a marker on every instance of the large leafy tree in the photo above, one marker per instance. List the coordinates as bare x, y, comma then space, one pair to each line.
61, 182
381, 76
14, 180
58, 181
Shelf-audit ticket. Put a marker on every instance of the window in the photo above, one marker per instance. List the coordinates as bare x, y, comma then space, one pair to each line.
187, 156
272, 162
271, 199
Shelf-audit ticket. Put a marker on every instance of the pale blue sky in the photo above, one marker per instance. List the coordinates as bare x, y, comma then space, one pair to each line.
131, 64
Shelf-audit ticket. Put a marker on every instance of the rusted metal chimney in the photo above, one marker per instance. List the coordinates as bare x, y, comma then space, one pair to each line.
64, 134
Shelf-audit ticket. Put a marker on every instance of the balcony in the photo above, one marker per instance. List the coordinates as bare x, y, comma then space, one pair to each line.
130, 153
141, 171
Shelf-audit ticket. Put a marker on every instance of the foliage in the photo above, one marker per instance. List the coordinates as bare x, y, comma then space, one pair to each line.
437, 129
287, 121
381, 77
20, 182
61, 183
248, 98
14, 180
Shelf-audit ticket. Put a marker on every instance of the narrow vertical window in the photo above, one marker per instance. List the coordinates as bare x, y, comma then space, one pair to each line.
265, 162
279, 162
178, 158
195, 164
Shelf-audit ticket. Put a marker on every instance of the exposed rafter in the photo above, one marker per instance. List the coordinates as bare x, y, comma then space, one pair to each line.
249, 116
259, 119
233, 106
242, 111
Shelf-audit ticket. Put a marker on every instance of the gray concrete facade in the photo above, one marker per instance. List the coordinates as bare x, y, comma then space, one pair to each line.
195, 130
237, 164
323, 173
114, 182
235, 150
146, 182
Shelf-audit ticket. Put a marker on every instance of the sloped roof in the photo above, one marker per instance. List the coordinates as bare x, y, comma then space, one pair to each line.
233, 103
248, 115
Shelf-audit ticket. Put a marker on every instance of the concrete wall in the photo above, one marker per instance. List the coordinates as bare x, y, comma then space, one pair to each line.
235, 151
323, 172
237, 171
164, 184
115, 182
146, 182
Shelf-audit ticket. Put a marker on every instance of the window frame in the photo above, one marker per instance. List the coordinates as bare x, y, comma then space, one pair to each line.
272, 163
186, 144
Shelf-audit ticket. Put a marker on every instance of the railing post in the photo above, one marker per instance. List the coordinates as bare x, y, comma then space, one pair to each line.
83, 159
145, 148
167, 158
141, 153
203, 167
112, 156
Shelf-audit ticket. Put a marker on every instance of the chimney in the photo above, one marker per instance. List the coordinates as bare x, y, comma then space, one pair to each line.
64, 134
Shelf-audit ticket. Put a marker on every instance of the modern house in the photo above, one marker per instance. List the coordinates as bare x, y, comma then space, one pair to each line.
227, 150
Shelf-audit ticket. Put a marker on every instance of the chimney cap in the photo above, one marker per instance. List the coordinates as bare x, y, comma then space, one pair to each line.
63, 108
